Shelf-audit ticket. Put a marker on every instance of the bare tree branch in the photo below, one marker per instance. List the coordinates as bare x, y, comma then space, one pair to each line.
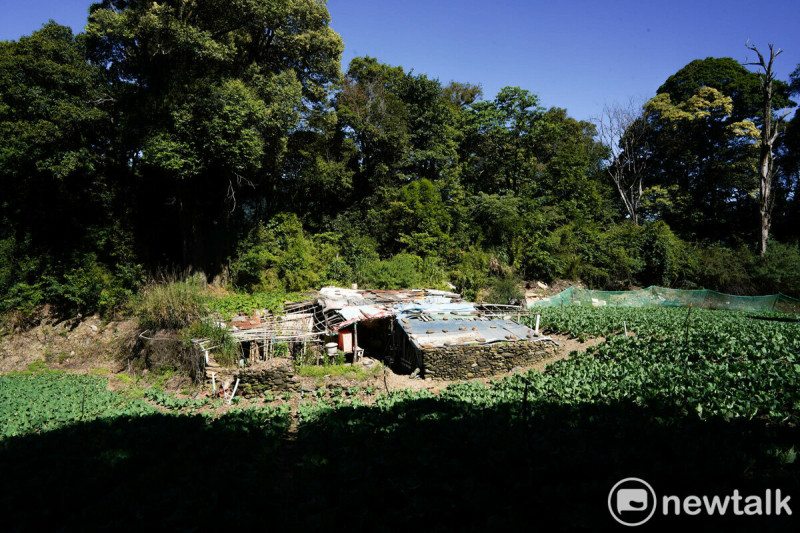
623, 129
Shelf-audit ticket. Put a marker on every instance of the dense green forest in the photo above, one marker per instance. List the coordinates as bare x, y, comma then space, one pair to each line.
194, 138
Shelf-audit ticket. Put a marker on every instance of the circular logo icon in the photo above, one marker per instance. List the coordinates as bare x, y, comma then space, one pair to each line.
632, 501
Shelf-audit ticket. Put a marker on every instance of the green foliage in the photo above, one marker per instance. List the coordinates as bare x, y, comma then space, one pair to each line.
226, 350
186, 135
60, 243
401, 271
45, 401
420, 219
233, 303
471, 273
778, 270
279, 256
702, 151
171, 402
724, 269
666, 258
701, 371
172, 305
505, 291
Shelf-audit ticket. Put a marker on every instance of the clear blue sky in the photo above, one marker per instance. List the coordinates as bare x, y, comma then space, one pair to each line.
577, 54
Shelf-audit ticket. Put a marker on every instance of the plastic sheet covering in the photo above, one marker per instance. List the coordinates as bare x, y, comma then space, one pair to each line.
360, 312
435, 308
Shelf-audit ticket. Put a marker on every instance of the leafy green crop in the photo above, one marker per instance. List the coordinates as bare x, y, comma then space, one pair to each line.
40, 402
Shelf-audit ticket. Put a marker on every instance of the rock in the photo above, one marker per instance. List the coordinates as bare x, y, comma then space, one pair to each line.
517, 369
93, 328
445, 330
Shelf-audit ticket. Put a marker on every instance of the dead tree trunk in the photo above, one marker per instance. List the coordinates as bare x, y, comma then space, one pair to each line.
769, 134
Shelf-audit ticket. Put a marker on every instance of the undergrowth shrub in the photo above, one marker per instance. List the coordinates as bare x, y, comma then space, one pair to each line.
225, 349
280, 255
470, 274
405, 271
778, 270
505, 291
723, 269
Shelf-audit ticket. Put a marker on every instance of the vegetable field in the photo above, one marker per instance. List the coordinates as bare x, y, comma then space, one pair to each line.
699, 402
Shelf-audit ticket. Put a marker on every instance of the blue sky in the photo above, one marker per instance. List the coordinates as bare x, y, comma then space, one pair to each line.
577, 54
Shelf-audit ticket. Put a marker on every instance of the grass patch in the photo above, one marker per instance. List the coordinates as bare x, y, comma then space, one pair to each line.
346, 369
173, 305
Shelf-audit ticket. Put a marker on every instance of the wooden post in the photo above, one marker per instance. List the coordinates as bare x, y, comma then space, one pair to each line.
355, 341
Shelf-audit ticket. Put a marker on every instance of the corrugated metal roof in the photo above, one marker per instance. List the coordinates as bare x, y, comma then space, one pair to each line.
354, 305
458, 330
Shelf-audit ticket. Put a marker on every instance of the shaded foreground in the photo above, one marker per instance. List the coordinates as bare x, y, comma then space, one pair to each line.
700, 403
422, 463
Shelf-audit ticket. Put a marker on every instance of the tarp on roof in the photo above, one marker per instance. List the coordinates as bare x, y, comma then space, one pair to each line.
436, 308
355, 314
360, 312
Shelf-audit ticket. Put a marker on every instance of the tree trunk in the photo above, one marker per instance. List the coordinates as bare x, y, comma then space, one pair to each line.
769, 134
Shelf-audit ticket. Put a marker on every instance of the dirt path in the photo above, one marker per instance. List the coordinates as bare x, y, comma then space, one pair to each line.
566, 347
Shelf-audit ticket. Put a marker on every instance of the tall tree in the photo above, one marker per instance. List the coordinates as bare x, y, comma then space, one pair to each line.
787, 201
58, 220
371, 110
703, 163
208, 94
499, 146
769, 134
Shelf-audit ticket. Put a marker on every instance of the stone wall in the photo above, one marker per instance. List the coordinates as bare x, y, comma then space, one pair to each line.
274, 375
482, 360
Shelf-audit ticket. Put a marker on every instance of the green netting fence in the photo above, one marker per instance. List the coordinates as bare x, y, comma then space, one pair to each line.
662, 297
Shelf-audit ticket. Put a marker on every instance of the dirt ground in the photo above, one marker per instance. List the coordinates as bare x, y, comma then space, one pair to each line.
88, 344
94, 346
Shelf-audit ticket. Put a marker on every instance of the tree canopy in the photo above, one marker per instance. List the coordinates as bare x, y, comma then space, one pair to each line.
226, 138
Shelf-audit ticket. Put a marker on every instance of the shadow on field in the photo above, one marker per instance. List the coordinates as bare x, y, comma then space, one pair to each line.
424, 464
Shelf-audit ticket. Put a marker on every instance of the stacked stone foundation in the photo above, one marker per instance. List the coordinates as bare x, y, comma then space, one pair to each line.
278, 375
482, 360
